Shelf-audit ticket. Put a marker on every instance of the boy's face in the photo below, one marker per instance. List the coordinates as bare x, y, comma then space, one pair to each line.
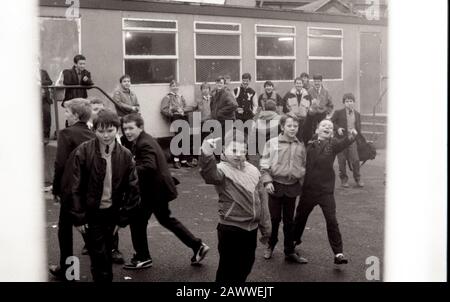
349, 104
245, 83
174, 88
106, 135
325, 129
95, 109
71, 117
268, 88
220, 84
290, 128
305, 81
81, 65
126, 83
205, 91
235, 154
131, 131
298, 85
317, 83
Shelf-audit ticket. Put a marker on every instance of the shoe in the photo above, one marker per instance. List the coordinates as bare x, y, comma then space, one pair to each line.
340, 259
117, 257
268, 252
345, 184
138, 264
359, 184
177, 165
57, 272
294, 258
84, 250
187, 164
199, 254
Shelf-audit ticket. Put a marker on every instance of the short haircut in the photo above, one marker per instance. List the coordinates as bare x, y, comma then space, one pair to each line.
173, 83
247, 76
317, 77
96, 101
287, 116
324, 120
205, 85
304, 75
106, 118
133, 117
220, 78
77, 58
348, 96
268, 83
125, 76
297, 79
270, 105
81, 107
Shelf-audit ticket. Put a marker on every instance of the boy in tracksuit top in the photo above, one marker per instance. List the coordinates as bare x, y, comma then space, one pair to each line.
241, 208
318, 187
283, 169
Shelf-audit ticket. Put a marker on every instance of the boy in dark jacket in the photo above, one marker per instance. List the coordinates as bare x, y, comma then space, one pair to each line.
344, 121
246, 100
77, 75
103, 190
318, 187
157, 188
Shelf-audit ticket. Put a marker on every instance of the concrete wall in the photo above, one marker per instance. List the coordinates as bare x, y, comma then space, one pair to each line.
102, 44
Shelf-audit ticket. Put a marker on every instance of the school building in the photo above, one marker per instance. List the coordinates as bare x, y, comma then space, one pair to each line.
158, 41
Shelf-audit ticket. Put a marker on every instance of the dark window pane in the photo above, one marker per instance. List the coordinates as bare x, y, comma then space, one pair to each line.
274, 70
149, 24
208, 70
138, 43
151, 71
323, 47
328, 32
273, 29
217, 45
211, 26
329, 69
275, 46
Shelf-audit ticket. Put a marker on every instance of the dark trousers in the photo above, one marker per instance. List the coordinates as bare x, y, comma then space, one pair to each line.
65, 235
138, 228
282, 207
46, 119
350, 154
328, 205
237, 253
99, 237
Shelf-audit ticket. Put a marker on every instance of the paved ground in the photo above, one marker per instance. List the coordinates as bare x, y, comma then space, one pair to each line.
360, 214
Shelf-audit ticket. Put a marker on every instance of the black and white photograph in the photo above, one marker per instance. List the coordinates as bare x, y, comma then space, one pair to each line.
226, 141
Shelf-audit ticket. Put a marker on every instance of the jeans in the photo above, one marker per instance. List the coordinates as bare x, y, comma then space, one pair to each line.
282, 207
349, 154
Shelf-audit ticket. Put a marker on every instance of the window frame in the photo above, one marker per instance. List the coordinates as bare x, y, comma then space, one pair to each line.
151, 57
327, 58
274, 34
221, 32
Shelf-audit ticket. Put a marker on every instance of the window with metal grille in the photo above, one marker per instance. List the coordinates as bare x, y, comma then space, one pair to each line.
275, 52
325, 52
150, 50
217, 51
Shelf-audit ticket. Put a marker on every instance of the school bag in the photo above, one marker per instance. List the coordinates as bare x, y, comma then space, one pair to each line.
366, 149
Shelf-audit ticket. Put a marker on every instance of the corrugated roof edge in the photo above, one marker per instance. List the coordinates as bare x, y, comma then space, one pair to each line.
217, 10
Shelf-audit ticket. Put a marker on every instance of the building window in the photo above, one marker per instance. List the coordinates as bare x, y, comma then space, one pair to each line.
325, 52
150, 50
275, 53
217, 51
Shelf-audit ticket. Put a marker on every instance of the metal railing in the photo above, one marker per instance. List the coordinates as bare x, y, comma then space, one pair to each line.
61, 99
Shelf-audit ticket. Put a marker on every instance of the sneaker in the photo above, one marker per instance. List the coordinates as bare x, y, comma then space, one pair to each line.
345, 184
359, 184
117, 257
268, 252
56, 271
84, 250
294, 258
199, 254
138, 264
340, 259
